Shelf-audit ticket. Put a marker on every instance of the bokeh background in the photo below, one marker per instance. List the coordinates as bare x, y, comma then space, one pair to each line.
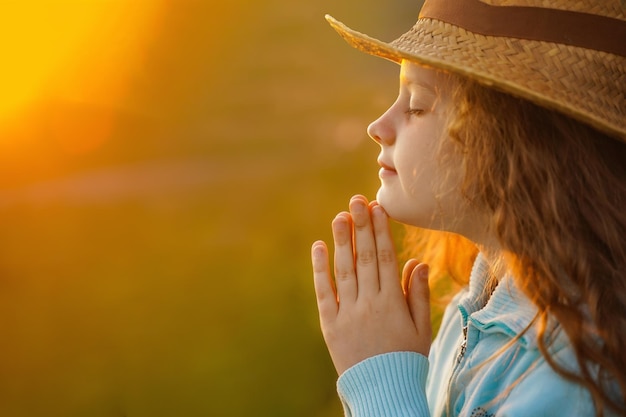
164, 167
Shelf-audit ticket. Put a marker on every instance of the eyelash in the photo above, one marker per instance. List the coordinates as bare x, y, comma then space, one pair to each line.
415, 112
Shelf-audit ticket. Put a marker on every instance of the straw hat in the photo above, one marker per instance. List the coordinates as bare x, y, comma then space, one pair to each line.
566, 55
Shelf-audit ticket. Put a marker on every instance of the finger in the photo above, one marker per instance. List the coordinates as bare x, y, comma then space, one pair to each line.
345, 277
409, 266
323, 282
419, 300
364, 246
385, 251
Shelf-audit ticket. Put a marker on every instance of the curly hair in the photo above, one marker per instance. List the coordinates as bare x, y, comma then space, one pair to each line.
555, 191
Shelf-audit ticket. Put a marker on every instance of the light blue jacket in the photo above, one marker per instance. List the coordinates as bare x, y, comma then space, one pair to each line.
474, 372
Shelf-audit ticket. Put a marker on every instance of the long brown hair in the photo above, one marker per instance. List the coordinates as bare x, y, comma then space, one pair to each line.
555, 191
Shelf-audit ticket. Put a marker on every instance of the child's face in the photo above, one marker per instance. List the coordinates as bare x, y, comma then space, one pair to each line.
414, 188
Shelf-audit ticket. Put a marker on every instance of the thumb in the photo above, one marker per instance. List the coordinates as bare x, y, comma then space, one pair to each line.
418, 299
407, 271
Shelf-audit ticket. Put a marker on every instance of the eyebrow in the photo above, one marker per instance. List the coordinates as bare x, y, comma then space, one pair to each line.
410, 83
406, 81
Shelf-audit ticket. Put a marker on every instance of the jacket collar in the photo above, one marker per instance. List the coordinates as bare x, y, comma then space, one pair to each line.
507, 310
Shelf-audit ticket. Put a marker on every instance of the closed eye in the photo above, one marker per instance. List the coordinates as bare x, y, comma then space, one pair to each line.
414, 112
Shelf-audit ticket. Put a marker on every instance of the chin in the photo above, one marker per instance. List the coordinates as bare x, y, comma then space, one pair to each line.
381, 198
391, 207
405, 212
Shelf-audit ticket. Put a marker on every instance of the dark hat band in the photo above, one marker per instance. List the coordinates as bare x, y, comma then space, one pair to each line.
578, 29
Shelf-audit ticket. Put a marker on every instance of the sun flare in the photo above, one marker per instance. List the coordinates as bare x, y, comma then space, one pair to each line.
78, 50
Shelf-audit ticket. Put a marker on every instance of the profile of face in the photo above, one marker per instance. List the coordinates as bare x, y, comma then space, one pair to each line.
415, 189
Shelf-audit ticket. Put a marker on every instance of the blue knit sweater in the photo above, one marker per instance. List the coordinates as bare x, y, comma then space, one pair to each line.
475, 368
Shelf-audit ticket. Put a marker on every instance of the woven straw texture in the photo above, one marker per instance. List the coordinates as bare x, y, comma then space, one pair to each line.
585, 84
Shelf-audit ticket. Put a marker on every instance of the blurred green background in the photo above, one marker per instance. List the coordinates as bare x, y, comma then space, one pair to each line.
164, 167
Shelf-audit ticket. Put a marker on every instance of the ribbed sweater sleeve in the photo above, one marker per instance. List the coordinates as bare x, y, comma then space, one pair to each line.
387, 385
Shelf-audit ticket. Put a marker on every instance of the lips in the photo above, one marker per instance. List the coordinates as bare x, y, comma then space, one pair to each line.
387, 171
384, 165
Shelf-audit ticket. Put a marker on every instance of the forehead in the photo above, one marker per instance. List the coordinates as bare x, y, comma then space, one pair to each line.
412, 74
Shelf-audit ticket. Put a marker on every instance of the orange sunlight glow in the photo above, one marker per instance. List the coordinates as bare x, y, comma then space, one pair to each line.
73, 51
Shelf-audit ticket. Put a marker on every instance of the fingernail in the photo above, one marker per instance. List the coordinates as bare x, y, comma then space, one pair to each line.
340, 223
357, 207
423, 272
358, 197
318, 250
344, 215
377, 211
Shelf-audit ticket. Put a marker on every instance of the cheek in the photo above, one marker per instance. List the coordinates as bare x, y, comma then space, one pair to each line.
418, 170
414, 181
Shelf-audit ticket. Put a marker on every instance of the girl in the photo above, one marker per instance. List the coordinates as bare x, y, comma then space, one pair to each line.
509, 130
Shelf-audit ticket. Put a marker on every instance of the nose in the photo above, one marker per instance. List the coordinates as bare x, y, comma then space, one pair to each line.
381, 130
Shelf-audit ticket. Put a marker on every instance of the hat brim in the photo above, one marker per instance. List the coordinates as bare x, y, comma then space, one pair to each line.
552, 79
